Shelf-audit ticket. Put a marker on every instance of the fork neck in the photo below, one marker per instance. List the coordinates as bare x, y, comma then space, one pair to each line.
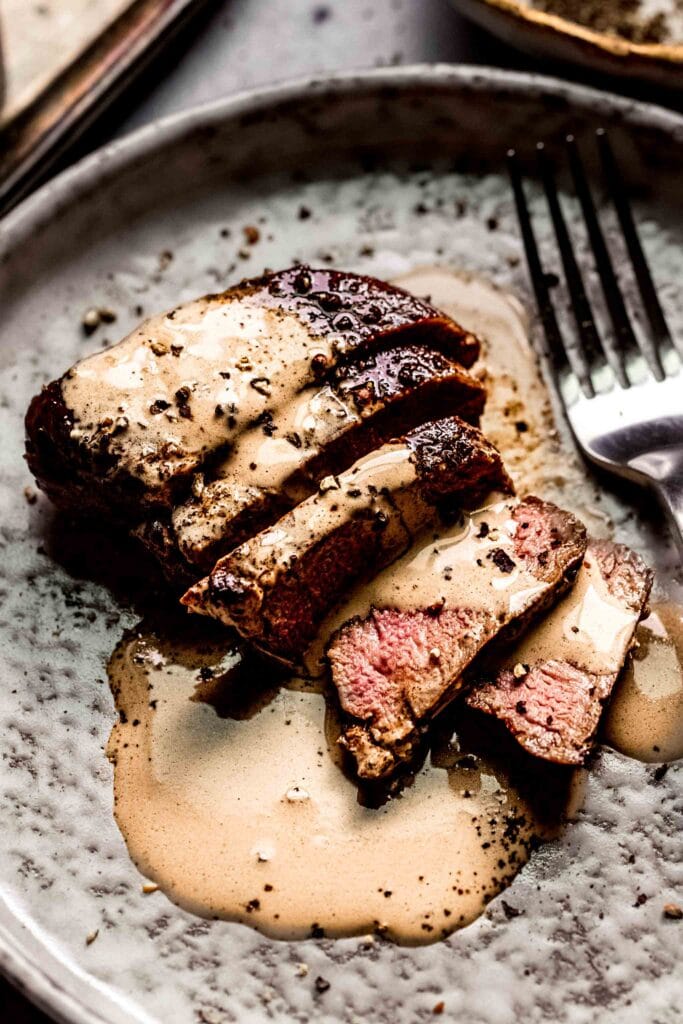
665, 469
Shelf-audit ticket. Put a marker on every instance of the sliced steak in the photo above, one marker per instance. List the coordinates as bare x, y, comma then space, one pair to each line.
280, 461
276, 588
401, 659
362, 313
550, 691
125, 430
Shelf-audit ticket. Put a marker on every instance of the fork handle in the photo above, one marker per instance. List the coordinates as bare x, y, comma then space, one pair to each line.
665, 469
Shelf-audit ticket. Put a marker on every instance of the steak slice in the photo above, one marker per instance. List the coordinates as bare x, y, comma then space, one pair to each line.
399, 661
277, 587
279, 462
550, 691
362, 313
125, 430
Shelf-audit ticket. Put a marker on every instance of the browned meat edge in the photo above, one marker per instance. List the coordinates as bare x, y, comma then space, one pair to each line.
553, 710
366, 313
278, 603
390, 393
395, 669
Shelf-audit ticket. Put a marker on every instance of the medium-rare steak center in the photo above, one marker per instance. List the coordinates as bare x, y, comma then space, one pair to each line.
406, 642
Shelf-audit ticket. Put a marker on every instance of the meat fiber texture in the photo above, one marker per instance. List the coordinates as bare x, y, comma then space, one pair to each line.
276, 588
552, 702
396, 668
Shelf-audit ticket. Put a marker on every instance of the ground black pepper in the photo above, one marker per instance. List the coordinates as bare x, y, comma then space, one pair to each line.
501, 560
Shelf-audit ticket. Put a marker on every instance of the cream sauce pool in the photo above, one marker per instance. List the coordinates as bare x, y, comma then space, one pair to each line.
243, 811
645, 717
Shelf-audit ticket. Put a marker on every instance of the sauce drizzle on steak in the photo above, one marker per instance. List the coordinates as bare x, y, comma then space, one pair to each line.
132, 432
276, 588
551, 690
397, 665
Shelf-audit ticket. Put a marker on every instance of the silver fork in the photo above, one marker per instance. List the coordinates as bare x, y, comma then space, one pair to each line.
624, 400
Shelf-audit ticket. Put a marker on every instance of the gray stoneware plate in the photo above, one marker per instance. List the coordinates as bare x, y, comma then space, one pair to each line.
367, 155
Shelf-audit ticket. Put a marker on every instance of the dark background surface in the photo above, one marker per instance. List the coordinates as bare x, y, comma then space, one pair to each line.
234, 46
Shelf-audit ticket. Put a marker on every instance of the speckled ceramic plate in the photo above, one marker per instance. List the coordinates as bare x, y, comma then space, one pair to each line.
378, 172
549, 36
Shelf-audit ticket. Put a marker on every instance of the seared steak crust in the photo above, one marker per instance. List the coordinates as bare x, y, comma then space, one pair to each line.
363, 315
391, 392
365, 312
553, 705
396, 668
376, 398
62, 469
276, 588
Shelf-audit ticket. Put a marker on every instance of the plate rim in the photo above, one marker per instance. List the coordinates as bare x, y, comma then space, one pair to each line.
33, 979
20, 221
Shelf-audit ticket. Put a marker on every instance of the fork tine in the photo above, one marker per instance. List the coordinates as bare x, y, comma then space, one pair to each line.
538, 278
658, 325
625, 338
589, 351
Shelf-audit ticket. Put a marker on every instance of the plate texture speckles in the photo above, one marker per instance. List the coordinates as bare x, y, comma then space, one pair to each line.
379, 173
